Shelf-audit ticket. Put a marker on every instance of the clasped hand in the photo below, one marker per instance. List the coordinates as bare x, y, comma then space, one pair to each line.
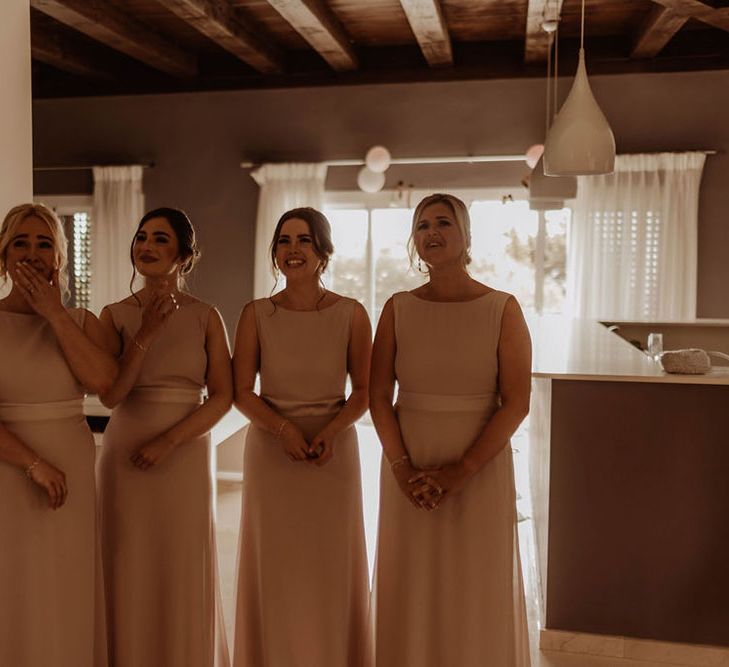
319, 451
427, 488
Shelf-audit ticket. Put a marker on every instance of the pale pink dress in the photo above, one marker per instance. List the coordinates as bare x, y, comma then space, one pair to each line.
302, 572
157, 525
448, 588
51, 594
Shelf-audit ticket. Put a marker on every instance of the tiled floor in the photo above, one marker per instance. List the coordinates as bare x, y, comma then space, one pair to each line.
228, 518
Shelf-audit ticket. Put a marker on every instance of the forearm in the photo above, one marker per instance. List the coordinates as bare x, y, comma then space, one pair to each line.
200, 421
354, 407
130, 365
388, 428
14, 451
94, 367
495, 436
261, 414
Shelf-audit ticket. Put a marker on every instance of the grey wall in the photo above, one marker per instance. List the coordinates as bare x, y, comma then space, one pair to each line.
197, 141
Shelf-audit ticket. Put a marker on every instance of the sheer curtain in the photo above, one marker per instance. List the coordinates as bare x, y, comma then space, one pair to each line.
118, 207
283, 187
633, 240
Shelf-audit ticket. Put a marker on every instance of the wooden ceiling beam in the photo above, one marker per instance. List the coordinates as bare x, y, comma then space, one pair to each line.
537, 42
105, 23
217, 20
49, 48
695, 9
429, 27
316, 23
658, 29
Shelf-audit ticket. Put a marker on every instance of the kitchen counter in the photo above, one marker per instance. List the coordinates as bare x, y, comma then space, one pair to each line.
587, 350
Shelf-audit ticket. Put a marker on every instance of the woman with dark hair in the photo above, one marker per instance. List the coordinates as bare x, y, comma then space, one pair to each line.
302, 574
51, 600
448, 587
154, 475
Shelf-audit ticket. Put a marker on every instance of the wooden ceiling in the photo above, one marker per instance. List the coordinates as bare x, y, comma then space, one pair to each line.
92, 47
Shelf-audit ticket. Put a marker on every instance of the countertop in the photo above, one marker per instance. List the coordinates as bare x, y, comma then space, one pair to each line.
566, 349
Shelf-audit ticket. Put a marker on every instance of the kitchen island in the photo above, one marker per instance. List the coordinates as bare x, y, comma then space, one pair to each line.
629, 471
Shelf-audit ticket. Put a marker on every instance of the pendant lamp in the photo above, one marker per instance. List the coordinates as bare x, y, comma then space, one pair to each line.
580, 141
548, 193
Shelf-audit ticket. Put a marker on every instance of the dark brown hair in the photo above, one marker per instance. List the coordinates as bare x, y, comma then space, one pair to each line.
321, 234
184, 232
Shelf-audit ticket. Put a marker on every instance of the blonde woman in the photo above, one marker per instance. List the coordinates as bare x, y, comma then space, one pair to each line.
448, 587
50, 605
302, 577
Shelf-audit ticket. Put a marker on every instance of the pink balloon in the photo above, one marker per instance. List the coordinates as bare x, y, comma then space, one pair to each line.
533, 154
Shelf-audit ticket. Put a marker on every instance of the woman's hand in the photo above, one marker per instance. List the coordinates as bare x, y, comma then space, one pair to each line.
154, 315
52, 481
432, 487
44, 297
322, 448
294, 443
404, 471
152, 453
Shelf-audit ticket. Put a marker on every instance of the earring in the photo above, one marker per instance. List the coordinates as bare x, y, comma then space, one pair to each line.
420, 268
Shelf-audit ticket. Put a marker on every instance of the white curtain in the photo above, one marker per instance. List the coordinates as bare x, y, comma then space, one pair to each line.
283, 187
118, 207
632, 250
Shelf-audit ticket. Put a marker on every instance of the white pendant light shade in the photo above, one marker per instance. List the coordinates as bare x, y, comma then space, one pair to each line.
580, 141
378, 159
550, 188
370, 181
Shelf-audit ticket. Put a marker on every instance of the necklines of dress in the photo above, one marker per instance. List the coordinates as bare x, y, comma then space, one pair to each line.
481, 296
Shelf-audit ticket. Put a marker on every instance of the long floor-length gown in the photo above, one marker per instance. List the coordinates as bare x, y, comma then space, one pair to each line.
448, 588
51, 594
302, 572
160, 562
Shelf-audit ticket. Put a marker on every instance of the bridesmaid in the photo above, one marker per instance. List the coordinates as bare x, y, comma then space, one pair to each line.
448, 585
50, 578
154, 473
302, 575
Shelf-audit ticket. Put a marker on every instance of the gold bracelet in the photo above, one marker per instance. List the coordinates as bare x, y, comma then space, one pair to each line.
281, 428
399, 462
31, 467
138, 344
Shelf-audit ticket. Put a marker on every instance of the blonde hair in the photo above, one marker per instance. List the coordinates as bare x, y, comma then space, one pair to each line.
15, 217
461, 215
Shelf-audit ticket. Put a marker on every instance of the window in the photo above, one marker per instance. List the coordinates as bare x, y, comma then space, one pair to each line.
76, 214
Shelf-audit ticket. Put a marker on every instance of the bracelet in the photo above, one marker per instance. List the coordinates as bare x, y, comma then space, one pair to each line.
281, 428
31, 467
399, 462
138, 344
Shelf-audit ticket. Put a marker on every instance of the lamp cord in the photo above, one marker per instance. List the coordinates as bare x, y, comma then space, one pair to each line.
582, 28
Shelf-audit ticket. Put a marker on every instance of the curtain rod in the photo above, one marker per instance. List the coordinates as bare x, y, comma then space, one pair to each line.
414, 160
442, 160
86, 167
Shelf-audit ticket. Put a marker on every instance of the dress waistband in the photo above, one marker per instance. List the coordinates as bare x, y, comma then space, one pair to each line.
291, 408
447, 403
22, 412
166, 395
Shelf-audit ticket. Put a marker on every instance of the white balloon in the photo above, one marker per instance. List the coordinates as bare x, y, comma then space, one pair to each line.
378, 159
533, 154
370, 181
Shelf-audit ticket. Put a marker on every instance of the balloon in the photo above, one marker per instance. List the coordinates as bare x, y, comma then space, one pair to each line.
370, 181
533, 154
378, 159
